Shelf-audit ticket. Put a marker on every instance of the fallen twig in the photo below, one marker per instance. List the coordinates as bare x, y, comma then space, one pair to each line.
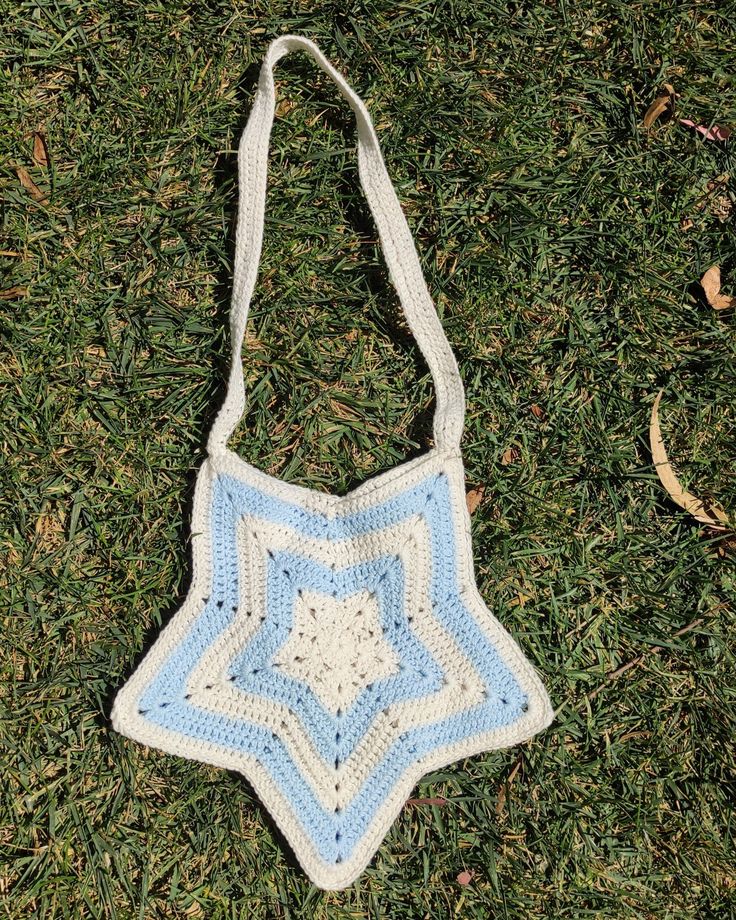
436, 800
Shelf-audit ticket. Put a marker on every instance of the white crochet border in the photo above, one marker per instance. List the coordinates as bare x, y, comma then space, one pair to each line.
127, 721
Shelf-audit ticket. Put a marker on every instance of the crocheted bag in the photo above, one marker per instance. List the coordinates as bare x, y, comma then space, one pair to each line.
333, 649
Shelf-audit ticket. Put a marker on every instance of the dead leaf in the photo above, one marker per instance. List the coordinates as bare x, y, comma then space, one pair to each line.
510, 455
686, 224
40, 150
465, 877
536, 411
29, 185
722, 208
714, 133
474, 498
727, 544
435, 800
502, 792
514, 771
717, 183
717, 198
711, 285
13, 293
712, 515
663, 103
520, 599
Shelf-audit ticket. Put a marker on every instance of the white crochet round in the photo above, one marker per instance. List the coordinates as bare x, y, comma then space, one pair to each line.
336, 647
333, 649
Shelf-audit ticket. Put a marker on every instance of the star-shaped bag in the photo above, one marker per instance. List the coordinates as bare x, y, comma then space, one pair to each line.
333, 649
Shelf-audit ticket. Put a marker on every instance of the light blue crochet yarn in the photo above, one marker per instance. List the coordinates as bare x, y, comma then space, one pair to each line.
164, 701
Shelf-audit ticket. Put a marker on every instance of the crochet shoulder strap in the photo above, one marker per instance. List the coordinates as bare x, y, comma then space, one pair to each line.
394, 234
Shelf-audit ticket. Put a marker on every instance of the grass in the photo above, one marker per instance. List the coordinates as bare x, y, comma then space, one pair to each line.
552, 230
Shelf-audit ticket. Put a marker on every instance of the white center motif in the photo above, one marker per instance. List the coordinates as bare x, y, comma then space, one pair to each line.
336, 647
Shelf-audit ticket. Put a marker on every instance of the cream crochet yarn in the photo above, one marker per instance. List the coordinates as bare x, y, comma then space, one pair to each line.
333, 649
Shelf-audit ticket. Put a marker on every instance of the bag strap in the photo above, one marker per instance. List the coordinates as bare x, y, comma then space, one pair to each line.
394, 234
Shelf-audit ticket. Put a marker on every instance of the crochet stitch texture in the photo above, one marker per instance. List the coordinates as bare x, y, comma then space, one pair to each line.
333, 649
